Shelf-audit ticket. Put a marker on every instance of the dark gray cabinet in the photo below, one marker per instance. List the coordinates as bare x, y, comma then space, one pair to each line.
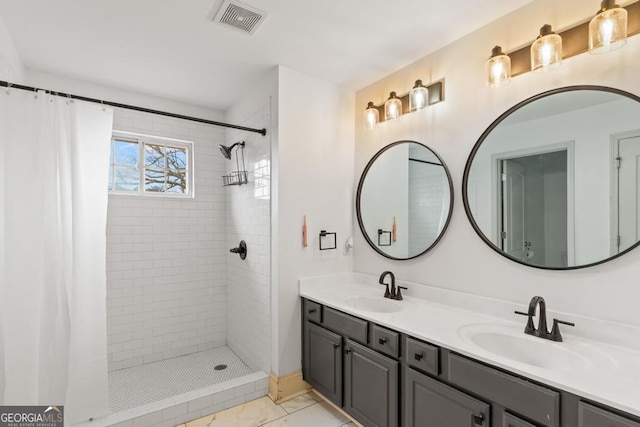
591, 416
370, 386
525, 398
430, 403
323, 361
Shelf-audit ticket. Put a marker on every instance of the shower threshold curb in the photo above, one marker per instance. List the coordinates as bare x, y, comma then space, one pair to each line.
191, 405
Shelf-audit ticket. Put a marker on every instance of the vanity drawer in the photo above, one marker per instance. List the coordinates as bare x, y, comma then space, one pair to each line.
385, 341
591, 416
346, 325
423, 356
312, 311
540, 404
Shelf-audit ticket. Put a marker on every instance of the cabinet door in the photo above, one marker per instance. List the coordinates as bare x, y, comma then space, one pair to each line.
430, 403
371, 386
509, 420
591, 416
323, 361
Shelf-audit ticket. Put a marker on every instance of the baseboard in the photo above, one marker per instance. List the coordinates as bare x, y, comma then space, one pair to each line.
287, 386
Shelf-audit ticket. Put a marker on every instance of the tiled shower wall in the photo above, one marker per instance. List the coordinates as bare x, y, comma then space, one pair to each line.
425, 204
166, 257
248, 219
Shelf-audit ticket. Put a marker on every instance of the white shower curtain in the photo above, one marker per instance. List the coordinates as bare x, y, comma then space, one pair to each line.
54, 157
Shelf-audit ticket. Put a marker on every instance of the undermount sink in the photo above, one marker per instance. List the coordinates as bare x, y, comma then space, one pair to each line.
512, 343
375, 304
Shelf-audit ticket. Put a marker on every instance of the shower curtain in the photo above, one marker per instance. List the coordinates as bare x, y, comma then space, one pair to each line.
54, 158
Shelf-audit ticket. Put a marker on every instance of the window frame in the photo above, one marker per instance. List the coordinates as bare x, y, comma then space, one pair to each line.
142, 140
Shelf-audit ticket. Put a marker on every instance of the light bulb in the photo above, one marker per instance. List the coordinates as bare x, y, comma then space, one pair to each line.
393, 107
546, 50
371, 116
608, 29
498, 68
418, 97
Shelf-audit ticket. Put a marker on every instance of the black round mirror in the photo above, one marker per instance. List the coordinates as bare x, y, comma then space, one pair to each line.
404, 200
553, 182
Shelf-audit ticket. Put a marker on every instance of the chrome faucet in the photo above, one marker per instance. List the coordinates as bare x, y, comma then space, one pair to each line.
395, 291
541, 331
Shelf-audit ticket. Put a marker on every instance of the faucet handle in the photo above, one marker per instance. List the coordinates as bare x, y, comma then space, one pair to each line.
399, 292
555, 330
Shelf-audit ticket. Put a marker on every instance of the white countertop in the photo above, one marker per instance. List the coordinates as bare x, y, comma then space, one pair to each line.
441, 317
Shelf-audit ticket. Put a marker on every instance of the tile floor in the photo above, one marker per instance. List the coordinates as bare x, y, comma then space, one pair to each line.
307, 410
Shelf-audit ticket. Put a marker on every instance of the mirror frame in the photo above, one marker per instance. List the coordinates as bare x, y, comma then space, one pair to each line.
361, 183
488, 131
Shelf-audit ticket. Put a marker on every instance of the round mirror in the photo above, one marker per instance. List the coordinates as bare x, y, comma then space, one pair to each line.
553, 182
404, 200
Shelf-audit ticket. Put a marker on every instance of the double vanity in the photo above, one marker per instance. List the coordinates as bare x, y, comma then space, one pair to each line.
547, 186
444, 359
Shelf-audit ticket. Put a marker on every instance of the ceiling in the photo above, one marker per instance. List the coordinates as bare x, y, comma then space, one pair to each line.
173, 49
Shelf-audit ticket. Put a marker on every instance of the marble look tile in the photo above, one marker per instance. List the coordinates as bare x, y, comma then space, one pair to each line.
250, 414
317, 415
300, 402
200, 422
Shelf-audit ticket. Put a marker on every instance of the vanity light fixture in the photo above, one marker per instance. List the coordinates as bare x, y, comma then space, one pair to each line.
498, 68
392, 107
371, 116
546, 51
418, 97
608, 29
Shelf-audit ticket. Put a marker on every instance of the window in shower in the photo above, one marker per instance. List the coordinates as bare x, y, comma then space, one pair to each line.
150, 166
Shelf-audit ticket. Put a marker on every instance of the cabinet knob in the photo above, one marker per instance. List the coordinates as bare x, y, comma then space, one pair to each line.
336, 345
478, 420
418, 356
382, 341
312, 310
347, 351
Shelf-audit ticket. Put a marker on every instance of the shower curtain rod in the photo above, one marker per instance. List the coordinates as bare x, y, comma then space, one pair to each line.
8, 85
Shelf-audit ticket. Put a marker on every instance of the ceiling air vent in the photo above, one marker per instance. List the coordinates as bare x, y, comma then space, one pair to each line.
240, 16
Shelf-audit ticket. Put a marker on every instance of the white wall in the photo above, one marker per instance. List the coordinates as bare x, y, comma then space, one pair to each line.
249, 219
11, 66
315, 178
451, 128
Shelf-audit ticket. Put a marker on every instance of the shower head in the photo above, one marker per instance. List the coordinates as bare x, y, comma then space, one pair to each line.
226, 151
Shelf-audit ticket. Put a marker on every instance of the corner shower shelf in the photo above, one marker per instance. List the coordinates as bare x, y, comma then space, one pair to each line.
235, 178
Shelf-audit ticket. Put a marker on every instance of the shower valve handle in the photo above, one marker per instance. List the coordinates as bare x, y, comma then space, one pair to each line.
240, 250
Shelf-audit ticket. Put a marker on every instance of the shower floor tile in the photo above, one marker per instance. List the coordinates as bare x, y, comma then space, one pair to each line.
133, 387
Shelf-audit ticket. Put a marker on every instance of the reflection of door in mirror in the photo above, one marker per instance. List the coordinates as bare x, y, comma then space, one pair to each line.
626, 210
533, 220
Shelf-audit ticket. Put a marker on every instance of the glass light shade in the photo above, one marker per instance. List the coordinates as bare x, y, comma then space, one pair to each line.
371, 116
498, 68
608, 29
546, 51
393, 107
418, 97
